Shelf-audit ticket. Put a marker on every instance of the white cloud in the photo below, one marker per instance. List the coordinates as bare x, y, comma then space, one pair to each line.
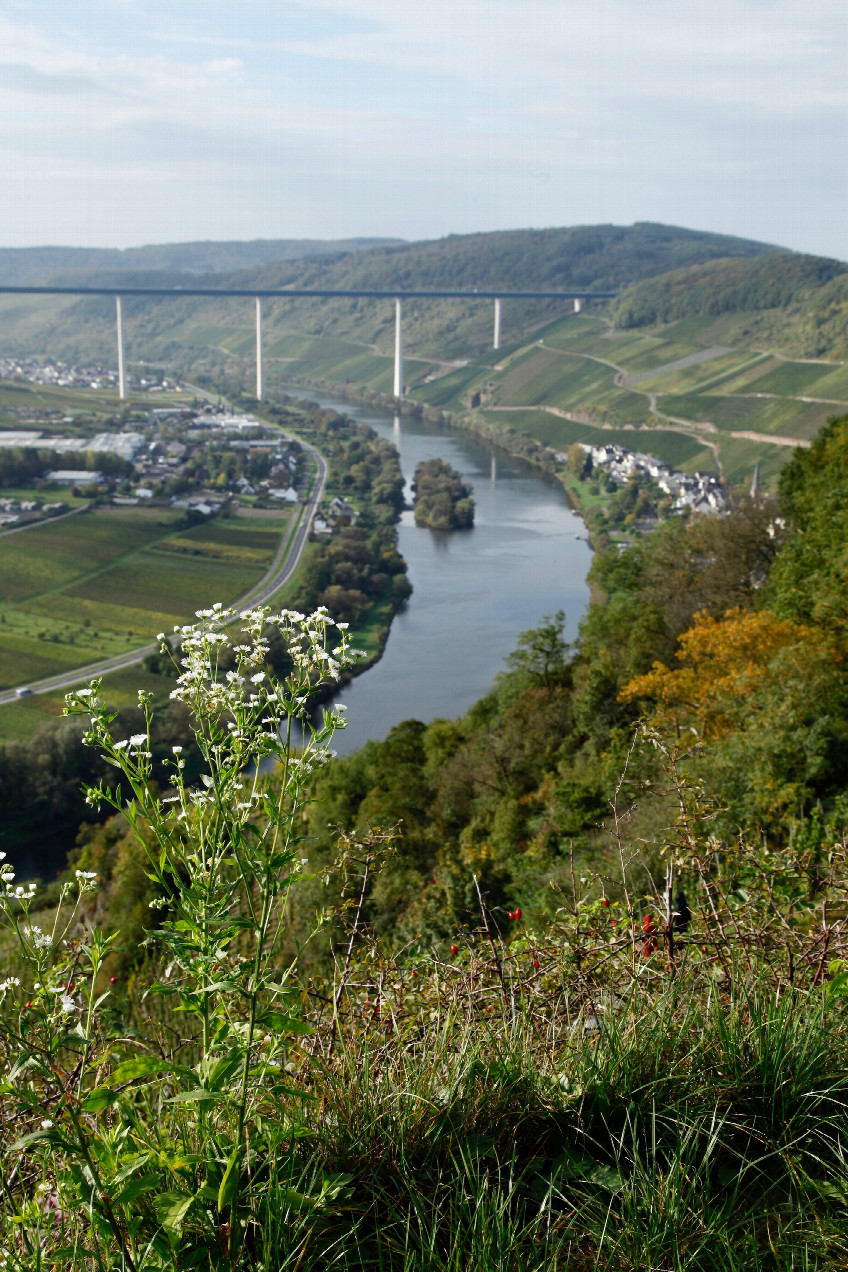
503, 108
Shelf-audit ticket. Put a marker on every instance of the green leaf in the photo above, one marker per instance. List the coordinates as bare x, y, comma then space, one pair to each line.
171, 1210
140, 1067
197, 1094
228, 1191
286, 1024
837, 988
606, 1177
99, 1098
144, 1183
222, 1070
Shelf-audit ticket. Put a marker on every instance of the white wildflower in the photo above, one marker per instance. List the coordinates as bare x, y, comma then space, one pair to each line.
46, 1124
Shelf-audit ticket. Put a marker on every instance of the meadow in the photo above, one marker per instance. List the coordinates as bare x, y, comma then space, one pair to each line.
107, 580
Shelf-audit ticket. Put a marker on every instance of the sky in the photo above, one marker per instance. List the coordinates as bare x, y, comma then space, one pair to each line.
149, 121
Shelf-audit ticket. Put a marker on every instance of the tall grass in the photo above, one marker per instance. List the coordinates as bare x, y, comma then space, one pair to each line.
681, 1134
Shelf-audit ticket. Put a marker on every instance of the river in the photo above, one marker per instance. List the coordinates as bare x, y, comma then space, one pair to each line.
474, 590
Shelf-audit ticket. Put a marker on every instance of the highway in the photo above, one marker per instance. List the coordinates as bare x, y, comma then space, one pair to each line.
281, 570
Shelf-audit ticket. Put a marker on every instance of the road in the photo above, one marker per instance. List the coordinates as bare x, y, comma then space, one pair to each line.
282, 568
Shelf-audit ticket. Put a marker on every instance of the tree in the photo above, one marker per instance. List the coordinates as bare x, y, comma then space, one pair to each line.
579, 461
542, 652
809, 581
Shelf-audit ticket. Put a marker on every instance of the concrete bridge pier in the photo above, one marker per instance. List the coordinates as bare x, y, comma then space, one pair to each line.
398, 348
260, 388
497, 340
578, 304
122, 384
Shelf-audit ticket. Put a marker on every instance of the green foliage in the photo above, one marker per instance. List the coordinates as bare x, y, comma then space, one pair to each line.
223, 855
442, 502
810, 580
793, 301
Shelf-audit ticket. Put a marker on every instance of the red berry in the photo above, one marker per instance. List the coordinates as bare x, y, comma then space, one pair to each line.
605, 901
27, 1005
113, 980
454, 949
510, 916
414, 973
69, 989
367, 998
537, 966
518, 913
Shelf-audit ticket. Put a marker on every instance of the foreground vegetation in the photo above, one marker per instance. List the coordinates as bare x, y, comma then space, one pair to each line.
559, 984
652, 1081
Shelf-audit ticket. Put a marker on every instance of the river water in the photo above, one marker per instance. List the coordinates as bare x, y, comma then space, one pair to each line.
474, 590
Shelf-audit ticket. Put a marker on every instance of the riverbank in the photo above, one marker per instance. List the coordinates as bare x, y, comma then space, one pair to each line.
475, 590
508, 440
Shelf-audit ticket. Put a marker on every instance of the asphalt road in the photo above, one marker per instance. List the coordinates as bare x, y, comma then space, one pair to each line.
282, 568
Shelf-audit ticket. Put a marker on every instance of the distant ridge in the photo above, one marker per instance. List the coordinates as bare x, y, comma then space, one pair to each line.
592, 256
41, 265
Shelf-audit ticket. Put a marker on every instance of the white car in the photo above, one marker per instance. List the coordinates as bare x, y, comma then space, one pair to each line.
23, 692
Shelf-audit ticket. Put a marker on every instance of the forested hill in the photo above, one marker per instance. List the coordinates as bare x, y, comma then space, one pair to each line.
795, 302
35, 266
599, 256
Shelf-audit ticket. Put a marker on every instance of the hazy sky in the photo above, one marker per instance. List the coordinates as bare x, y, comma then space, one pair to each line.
138, 121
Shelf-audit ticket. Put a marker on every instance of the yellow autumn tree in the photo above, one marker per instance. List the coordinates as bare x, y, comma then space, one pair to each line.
724, 663
767, 696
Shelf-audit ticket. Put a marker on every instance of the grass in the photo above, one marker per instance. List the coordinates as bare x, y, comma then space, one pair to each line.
672, 1140
759, 415
107, 581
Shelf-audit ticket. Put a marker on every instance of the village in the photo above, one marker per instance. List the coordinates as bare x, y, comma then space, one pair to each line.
695, 492
61, 375
204, 461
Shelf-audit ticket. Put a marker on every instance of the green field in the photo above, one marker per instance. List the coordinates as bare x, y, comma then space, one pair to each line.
105, 581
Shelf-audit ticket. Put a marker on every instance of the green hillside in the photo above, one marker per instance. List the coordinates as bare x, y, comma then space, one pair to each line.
709, 345
798, 304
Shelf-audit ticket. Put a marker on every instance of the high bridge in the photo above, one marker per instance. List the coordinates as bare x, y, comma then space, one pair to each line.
576, 295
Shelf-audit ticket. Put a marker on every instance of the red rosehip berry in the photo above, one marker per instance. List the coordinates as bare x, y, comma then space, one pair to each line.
26, 1005
414, 973
510, 916
113, 980
454, 949
69, 988
518, 913
537, 966
605, 901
